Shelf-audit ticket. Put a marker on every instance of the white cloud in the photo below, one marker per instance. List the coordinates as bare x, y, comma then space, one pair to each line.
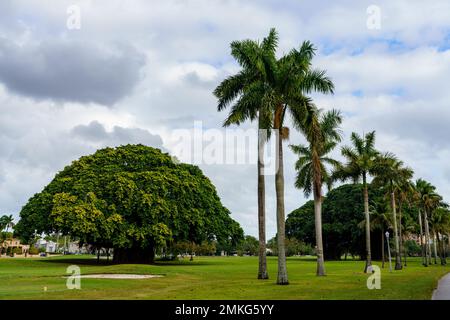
393, 80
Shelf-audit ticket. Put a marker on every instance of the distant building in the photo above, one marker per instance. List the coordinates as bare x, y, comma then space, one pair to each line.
15, 243
74, 248
49, 246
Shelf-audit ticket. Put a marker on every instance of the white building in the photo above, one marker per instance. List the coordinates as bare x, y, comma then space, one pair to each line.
49, 246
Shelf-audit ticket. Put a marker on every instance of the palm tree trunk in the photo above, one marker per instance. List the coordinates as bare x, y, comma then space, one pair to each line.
435, 249
318, 224
444, 249
427, 238
279, 188
448, 238
404, 255
441, 248
400, 237
398, 263
424, 259
262, 269
368, 267
382, 247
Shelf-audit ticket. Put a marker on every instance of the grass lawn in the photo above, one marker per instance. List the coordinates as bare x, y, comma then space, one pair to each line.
212, 278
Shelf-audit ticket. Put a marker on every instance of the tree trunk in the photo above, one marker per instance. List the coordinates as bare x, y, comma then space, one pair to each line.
435, 249
98, 255
279, 187
135, 255
318, 224
368, 267
382, 248
398, 263
444, 249
262, 269
427, 238
422, 245
400, 236
441, 248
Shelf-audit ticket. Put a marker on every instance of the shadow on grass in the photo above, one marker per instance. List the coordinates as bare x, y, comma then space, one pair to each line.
92, 261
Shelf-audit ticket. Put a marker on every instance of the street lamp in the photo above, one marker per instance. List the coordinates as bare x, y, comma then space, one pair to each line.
389, 251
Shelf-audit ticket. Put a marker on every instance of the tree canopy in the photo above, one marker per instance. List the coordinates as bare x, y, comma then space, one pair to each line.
343, 212
132, 198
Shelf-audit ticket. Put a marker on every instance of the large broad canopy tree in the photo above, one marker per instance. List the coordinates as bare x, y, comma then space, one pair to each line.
134, 199
343, 212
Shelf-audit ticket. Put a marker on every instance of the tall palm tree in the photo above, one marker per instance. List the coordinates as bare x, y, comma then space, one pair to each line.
402, 191
428, 200
359, 164
8, 222
416, 197
323, 134
3, 223
440, 222
283, 84
293, 79
390, 172
250, 96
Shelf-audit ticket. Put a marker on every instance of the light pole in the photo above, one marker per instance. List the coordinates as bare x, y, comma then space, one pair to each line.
389, 251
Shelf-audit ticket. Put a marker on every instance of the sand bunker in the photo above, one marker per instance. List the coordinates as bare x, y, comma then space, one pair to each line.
119, 276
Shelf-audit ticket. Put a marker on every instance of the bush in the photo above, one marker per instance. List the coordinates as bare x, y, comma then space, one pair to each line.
33, 250
42, 250
293, 247
249, 246
17, 250
412, 248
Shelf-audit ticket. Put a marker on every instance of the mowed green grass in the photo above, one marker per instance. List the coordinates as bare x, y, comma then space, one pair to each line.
212, 278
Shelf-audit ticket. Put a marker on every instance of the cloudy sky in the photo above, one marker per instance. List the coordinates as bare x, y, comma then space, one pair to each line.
137, 71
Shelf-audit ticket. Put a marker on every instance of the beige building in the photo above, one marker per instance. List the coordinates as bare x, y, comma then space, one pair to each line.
15, 243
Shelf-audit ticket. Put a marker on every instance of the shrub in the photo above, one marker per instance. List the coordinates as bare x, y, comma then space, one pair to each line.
17, 250
412, 248
33, 250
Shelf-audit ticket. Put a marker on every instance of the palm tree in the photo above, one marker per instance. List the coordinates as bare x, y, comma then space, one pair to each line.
251, 97
360, 161
293, 79
7, 222
281, 85
323, 134
440, 222
417, 189
380, 220
3, 224
428, 200
390, 172
402, 190
409, 227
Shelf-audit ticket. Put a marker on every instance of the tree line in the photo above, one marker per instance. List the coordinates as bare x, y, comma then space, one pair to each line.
268, 88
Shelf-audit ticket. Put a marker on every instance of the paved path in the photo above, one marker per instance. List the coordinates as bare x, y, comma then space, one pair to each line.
443, 290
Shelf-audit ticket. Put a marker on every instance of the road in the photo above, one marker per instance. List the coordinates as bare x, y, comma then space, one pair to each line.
443, 290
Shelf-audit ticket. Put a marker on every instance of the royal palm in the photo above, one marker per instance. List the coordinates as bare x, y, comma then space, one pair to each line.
248, 94
323, 134
390, 172
359, 164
